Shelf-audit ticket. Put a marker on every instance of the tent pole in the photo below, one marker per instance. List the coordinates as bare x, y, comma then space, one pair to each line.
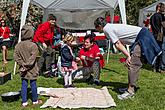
109, 45
23, 20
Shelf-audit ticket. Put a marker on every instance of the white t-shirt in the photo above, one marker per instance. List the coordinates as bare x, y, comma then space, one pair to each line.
126, 33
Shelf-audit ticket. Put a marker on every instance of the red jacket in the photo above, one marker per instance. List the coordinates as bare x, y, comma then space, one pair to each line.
5, 33
44, 33
93, 52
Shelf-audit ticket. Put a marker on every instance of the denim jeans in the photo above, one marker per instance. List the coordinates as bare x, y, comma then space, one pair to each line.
24, 90
162, 65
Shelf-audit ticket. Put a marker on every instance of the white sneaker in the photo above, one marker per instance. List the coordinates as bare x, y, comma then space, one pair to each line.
125, 95
24, 104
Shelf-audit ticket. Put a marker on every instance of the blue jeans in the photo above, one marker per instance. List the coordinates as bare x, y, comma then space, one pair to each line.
24, 90
162, 65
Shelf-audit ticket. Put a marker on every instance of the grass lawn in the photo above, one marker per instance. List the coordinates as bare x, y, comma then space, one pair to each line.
150, 96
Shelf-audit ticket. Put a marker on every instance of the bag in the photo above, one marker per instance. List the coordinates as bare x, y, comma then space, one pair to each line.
160, 37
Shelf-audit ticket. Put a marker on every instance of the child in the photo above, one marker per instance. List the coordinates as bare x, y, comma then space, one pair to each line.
25, 55
67, 59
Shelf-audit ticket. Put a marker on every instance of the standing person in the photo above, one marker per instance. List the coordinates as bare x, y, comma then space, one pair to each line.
91, 59
44, 38
67, 59
25, 54
143, 44
157, 27
5, 35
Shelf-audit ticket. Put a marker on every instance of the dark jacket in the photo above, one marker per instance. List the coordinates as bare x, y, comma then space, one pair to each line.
155, 21
149, 47
25, 54
66, 56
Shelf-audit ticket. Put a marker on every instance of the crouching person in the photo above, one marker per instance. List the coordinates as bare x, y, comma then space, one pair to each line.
25, 55
92, 61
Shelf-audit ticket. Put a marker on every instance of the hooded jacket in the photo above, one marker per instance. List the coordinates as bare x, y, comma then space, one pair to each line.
25, 54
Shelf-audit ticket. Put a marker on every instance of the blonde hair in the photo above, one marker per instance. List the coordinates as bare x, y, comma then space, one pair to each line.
68, 37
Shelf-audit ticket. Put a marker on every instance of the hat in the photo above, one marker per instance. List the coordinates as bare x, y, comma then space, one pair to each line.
27, 32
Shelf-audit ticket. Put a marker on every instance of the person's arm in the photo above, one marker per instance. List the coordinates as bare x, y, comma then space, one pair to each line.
121, 47
42, 29
19, 59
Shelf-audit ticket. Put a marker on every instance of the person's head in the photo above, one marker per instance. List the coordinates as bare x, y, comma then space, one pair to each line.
99, 23
3, 23
89, 40
27, 32
68, 39
160, 7
52, 19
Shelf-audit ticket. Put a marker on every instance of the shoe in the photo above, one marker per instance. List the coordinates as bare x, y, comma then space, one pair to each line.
71, 86
122, 90
126, 95
97, 82
38, 102
25, 104
66, 86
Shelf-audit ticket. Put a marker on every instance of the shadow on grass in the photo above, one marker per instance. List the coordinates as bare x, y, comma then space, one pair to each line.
114, 85
110, 70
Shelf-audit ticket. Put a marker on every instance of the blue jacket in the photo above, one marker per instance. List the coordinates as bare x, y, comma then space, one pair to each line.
149, 47
66, 56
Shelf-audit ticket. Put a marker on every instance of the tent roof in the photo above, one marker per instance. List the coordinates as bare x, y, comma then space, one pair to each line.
152, 7
72, 5
76, 14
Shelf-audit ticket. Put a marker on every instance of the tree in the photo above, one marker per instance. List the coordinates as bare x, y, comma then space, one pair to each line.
132, 9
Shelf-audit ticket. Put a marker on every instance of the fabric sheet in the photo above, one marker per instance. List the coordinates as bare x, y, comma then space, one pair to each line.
77, 97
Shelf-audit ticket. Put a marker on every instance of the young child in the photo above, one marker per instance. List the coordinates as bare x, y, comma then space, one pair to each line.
25, 55
67, 60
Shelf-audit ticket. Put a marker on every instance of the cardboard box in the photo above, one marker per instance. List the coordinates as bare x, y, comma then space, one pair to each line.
4, 77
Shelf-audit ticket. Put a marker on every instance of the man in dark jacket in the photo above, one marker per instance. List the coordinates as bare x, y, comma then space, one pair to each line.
157, 27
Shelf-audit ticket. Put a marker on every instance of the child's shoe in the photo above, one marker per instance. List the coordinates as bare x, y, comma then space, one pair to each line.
37, 102
24, 104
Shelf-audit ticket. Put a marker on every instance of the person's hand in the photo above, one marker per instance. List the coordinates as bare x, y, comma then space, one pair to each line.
77, 59
44, 45
83, 57
97, 58
128, 61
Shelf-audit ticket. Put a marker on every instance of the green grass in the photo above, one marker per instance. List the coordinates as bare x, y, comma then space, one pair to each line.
150, 96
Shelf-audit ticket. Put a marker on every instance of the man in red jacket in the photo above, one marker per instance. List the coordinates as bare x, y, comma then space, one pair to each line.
44, 38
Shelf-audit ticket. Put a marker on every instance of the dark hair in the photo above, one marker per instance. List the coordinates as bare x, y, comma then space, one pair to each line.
91, 37
4, 22
99, 21
159, 5
51, 17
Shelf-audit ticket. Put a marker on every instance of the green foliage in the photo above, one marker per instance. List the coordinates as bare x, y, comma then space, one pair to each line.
132, 9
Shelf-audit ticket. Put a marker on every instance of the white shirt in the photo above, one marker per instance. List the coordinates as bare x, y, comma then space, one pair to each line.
126, 33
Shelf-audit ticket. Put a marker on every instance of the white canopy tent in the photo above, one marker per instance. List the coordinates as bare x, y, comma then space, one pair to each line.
75, 14
149, 9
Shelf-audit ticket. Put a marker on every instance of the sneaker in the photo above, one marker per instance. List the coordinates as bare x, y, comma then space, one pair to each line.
97, 82
25, 104
66, 86
37, 102
122, 90
71, 86
126, 95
